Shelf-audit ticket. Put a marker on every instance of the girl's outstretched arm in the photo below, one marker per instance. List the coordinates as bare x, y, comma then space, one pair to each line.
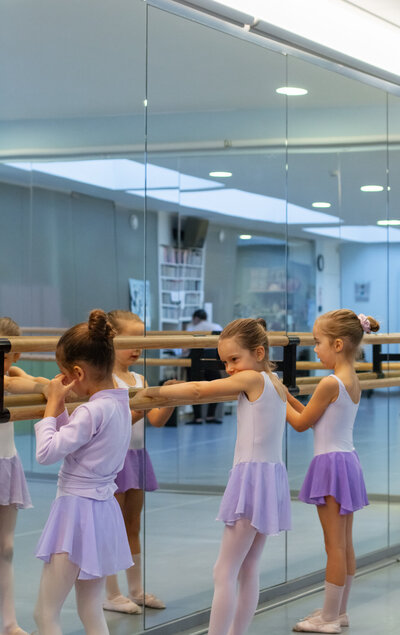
295, 403
243, 381
325, 393
23, 384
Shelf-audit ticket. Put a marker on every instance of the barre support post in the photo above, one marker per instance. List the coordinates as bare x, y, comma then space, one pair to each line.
5, 347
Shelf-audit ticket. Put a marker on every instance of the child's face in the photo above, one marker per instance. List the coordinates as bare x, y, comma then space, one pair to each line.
324, 347
128, 356
237, 358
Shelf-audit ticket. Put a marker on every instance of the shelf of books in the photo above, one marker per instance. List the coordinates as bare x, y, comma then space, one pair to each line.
181, 285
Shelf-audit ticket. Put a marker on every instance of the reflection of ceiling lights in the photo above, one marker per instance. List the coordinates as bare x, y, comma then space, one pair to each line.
388, 222
220, 175
291, 91
358, 233
321, 204
245, 236
371, 188
181, 189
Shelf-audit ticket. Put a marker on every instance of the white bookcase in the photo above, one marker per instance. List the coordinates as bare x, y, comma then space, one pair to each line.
181, 285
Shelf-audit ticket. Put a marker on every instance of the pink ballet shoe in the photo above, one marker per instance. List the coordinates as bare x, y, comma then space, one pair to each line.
18, 631
122, 604
343, 617
149, 599
316, 624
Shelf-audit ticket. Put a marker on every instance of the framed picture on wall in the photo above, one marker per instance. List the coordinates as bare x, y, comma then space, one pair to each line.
361, 291
140, 299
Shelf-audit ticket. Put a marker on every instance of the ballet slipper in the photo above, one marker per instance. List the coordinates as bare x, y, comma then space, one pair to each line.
149, 599
121, 604
17, 631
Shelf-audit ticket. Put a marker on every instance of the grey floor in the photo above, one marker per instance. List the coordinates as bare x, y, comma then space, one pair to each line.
181, 538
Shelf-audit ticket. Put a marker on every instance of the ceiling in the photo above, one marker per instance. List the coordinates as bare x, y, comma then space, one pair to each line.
75, 87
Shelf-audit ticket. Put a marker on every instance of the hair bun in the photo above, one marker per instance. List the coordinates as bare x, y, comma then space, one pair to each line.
99, 326
373, 324
261, 322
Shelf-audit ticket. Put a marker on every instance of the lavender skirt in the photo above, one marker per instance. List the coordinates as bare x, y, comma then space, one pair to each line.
260, 493
336, 474
137, 473
91, 532
13, 487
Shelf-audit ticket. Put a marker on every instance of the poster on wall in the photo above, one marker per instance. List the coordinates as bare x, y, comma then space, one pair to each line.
361, 291
139, 293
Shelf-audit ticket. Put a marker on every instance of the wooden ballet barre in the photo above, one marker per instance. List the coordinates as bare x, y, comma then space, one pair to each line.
362, 377
23, 413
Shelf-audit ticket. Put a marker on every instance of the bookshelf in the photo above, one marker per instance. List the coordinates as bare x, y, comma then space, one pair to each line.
181, 285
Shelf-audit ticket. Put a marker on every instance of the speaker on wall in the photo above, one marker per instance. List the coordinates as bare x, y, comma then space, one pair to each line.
193, 232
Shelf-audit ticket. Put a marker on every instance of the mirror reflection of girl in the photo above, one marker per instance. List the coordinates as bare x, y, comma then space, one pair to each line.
256, 502
136, 476
334, 481
14, 492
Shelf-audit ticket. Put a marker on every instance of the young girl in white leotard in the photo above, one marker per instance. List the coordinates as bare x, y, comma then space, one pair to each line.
137, 474
334, 481
256, 502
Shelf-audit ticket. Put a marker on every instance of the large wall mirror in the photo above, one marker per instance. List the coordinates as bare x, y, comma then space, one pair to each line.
154, 164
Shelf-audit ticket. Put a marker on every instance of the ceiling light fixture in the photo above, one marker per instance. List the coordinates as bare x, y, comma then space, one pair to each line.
321, 204
291, 91
220, 175
245, 236
385, 222
371, 188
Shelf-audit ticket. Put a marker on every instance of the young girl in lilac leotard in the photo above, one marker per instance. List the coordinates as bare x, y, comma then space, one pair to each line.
334, 481
256, 502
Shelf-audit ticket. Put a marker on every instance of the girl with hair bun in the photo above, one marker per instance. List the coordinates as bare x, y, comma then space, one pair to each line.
256, 502
84, 539
334, 481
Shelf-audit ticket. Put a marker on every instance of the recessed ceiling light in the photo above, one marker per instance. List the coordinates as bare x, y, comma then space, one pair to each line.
221, 175
388, 222
245, 236
321, 204
291, 91
371, 188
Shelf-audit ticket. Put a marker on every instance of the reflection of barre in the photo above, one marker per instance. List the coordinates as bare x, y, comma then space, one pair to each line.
59, 330
357, 365
31, 411
362, 377
150, 361
26, 343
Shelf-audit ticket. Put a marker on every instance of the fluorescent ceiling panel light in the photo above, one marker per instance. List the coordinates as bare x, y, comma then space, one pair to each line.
321, 204
221, 175
180, 189
358, 233
242, 204
337, 25
385, 223
371, 188
291, 91
245, 236
119, 174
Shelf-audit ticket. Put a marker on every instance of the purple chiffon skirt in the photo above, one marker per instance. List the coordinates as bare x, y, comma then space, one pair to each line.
259, 492
91, 532
336, 474
13, 487
137, 472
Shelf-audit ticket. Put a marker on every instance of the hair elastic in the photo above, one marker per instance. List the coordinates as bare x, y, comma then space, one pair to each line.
365, 323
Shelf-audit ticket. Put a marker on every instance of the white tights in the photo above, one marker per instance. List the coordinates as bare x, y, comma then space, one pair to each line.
58, 578
236, 579
8, 518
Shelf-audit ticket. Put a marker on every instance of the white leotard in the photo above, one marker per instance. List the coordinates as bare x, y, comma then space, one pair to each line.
261, 425
7, 445
137, 435
333, 432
